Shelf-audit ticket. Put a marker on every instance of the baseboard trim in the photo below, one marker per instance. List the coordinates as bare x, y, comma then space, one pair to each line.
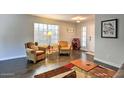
108, 63
14, 57
84, 49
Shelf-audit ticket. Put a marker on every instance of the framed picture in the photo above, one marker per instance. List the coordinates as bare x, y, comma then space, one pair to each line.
109, 28
70, 30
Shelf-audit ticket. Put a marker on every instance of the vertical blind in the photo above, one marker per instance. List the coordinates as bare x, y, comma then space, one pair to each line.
41, 33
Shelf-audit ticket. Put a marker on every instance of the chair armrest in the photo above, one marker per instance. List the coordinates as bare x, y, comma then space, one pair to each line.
30, 51
70, 46
42, 48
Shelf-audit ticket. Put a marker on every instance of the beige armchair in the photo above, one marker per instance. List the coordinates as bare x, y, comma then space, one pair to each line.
64, 47
34, 52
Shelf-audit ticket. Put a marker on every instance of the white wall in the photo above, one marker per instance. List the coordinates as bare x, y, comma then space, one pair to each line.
64, 34
15, 30
107, 50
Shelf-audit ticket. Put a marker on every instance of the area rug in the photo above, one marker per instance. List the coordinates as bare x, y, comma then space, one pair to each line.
68, 72
102, 72
64, 70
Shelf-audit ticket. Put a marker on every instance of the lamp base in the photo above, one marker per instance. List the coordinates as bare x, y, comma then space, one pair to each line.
49, 46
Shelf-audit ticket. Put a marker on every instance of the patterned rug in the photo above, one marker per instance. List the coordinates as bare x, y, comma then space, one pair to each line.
68, 72
64, 72
102, 72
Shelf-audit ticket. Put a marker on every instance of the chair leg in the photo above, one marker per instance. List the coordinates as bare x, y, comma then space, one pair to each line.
34, 61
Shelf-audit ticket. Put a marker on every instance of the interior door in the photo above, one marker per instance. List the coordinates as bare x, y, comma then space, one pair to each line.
88, 37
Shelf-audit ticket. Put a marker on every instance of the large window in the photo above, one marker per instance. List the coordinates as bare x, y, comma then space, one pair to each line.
41, 33
84, 37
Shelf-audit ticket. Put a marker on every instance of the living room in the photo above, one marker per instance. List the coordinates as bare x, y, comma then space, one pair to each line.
21, 26
55, 61
18, 29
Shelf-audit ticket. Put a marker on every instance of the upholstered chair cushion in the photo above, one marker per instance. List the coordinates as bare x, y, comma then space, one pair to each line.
65, 48
39, 52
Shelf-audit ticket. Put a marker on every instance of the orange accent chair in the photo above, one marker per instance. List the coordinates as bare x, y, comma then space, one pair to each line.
64, 47
34, 52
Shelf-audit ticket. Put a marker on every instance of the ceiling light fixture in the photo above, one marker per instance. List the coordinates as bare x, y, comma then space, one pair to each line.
78, 19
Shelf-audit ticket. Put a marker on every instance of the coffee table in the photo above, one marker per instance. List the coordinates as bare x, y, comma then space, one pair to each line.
84, 65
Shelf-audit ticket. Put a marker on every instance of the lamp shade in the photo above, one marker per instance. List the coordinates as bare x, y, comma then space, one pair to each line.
49, 33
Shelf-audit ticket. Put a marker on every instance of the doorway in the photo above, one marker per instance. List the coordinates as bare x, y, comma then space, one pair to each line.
84, 38
88, 36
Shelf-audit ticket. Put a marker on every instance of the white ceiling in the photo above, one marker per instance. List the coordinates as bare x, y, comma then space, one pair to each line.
63, 17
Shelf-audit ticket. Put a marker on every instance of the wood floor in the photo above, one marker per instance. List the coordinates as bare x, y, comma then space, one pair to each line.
20, 68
